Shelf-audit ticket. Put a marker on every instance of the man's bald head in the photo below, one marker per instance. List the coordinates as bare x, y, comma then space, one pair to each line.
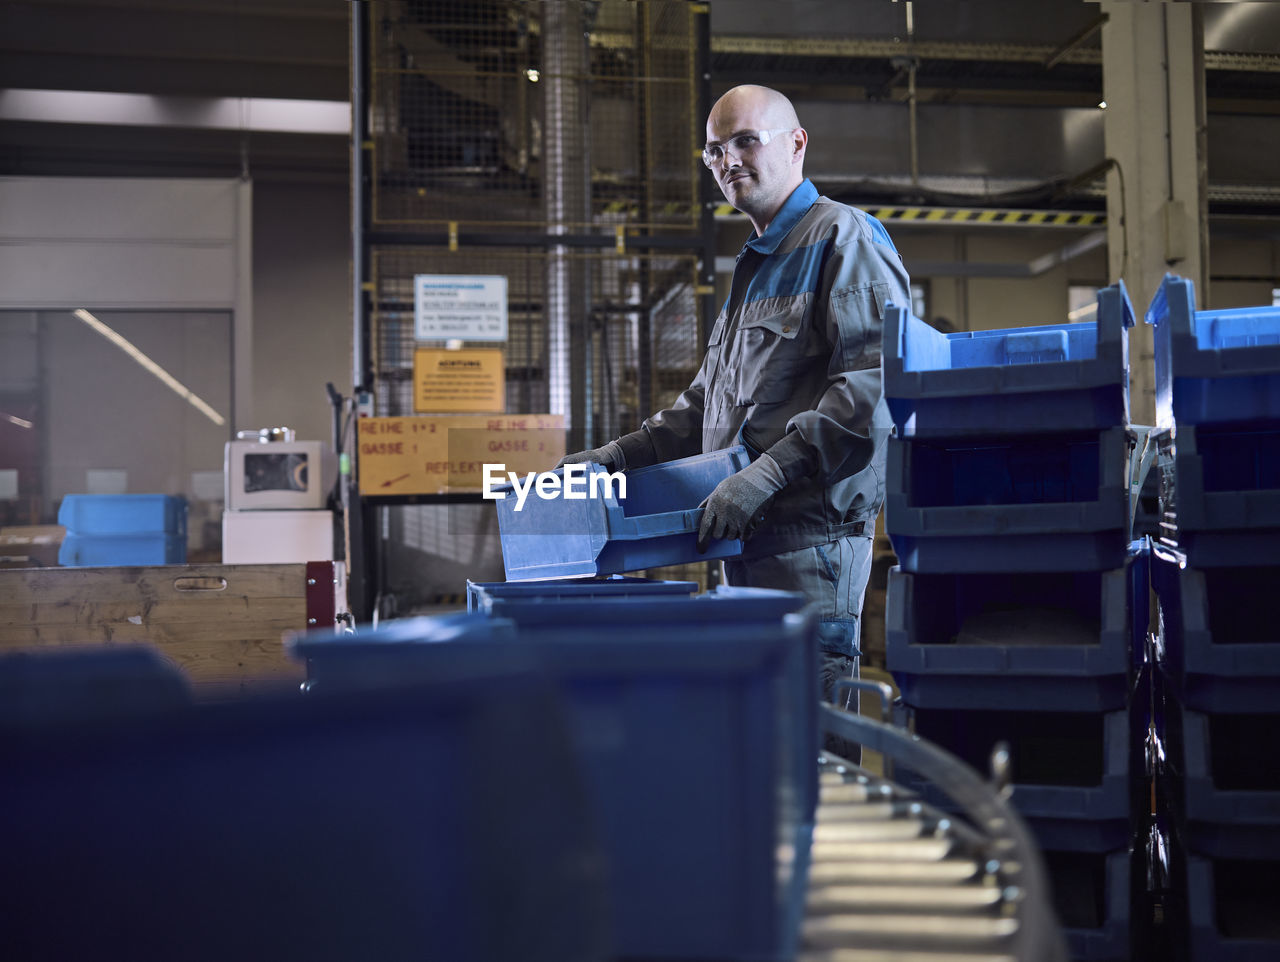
772, 108
762, 161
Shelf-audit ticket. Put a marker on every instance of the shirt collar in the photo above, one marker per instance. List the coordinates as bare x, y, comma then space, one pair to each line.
801, 199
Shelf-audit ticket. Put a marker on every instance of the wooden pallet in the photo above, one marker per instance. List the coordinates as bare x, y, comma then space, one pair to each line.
222, 625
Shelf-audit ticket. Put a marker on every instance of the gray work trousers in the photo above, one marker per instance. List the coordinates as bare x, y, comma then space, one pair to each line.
834, 577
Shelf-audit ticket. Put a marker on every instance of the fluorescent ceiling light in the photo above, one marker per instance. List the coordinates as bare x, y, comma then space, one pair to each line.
20, 422
147, 110
1080, 312
171, 382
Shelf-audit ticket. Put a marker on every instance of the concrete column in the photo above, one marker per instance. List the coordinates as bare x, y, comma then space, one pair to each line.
1157, 218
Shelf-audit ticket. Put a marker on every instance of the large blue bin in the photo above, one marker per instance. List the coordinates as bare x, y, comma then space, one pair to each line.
1065, 641
695, 724
434, 820
655, 524
1062, 377
1073, 772
1213, 366
1093, 896
114, 514
1219, 650
481, 593
1225, 779
1226, 478
1233, 909
123, 529
84, 684
1012, 504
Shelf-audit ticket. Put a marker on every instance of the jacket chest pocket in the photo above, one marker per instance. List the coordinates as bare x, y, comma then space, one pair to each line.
770, 354
713, 358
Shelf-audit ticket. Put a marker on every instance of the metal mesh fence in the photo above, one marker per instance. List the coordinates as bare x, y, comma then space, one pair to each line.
521, 120
640, 329
535, 113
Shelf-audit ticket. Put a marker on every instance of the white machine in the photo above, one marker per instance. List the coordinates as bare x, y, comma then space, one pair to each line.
275, 487
267, 475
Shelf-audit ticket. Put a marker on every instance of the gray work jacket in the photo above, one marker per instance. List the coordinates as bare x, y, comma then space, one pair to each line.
793, 369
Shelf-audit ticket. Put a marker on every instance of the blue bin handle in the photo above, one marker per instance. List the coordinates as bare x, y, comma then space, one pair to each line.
656, 525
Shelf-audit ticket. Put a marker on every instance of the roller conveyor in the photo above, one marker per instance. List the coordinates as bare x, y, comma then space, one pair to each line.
936, 899
892, 879
892, 955
889, 879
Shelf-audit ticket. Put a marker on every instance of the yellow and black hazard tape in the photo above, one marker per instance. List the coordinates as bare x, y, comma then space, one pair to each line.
631, 208
912, 215
965, 215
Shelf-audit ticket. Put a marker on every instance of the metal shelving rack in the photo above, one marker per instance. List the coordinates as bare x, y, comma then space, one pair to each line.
556, 143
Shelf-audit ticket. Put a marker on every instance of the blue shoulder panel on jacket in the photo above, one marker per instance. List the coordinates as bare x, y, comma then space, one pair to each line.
785, 275
879, 234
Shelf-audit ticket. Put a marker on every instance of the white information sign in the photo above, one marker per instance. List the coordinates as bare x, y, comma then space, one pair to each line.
465, 307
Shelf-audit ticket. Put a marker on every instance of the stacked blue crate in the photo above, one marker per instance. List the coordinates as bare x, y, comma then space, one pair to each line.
1017, 612
1009, 447
694, 721
1218, 399
1218, 653
123, 529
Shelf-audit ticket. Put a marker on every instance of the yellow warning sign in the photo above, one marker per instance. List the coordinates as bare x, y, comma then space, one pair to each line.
459, 382
443, 455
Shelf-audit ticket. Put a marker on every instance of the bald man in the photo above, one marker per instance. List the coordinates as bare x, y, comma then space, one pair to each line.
792, 371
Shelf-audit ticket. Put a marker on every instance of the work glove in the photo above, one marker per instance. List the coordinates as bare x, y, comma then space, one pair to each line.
610, 457
739, 503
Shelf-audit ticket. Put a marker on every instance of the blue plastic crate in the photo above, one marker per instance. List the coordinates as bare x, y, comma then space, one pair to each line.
480, 594
1073, 772
424, 821
1072, 377
716, 614
1059, 641
71, 684
656, 524
1034, 504
1233, 910
715, 611
694, 720
1225, 781
1219, 649
1225, 478
123, 549
113, 514
1224, 549
1213, 366
1093, 896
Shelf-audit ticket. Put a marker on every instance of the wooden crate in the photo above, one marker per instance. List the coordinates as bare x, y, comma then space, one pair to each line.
222, 625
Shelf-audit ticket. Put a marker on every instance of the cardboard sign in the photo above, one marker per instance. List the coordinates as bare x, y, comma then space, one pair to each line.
443, 455
459, 382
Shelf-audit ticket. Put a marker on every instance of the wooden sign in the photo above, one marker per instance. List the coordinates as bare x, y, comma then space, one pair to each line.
441, 455
459, 382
